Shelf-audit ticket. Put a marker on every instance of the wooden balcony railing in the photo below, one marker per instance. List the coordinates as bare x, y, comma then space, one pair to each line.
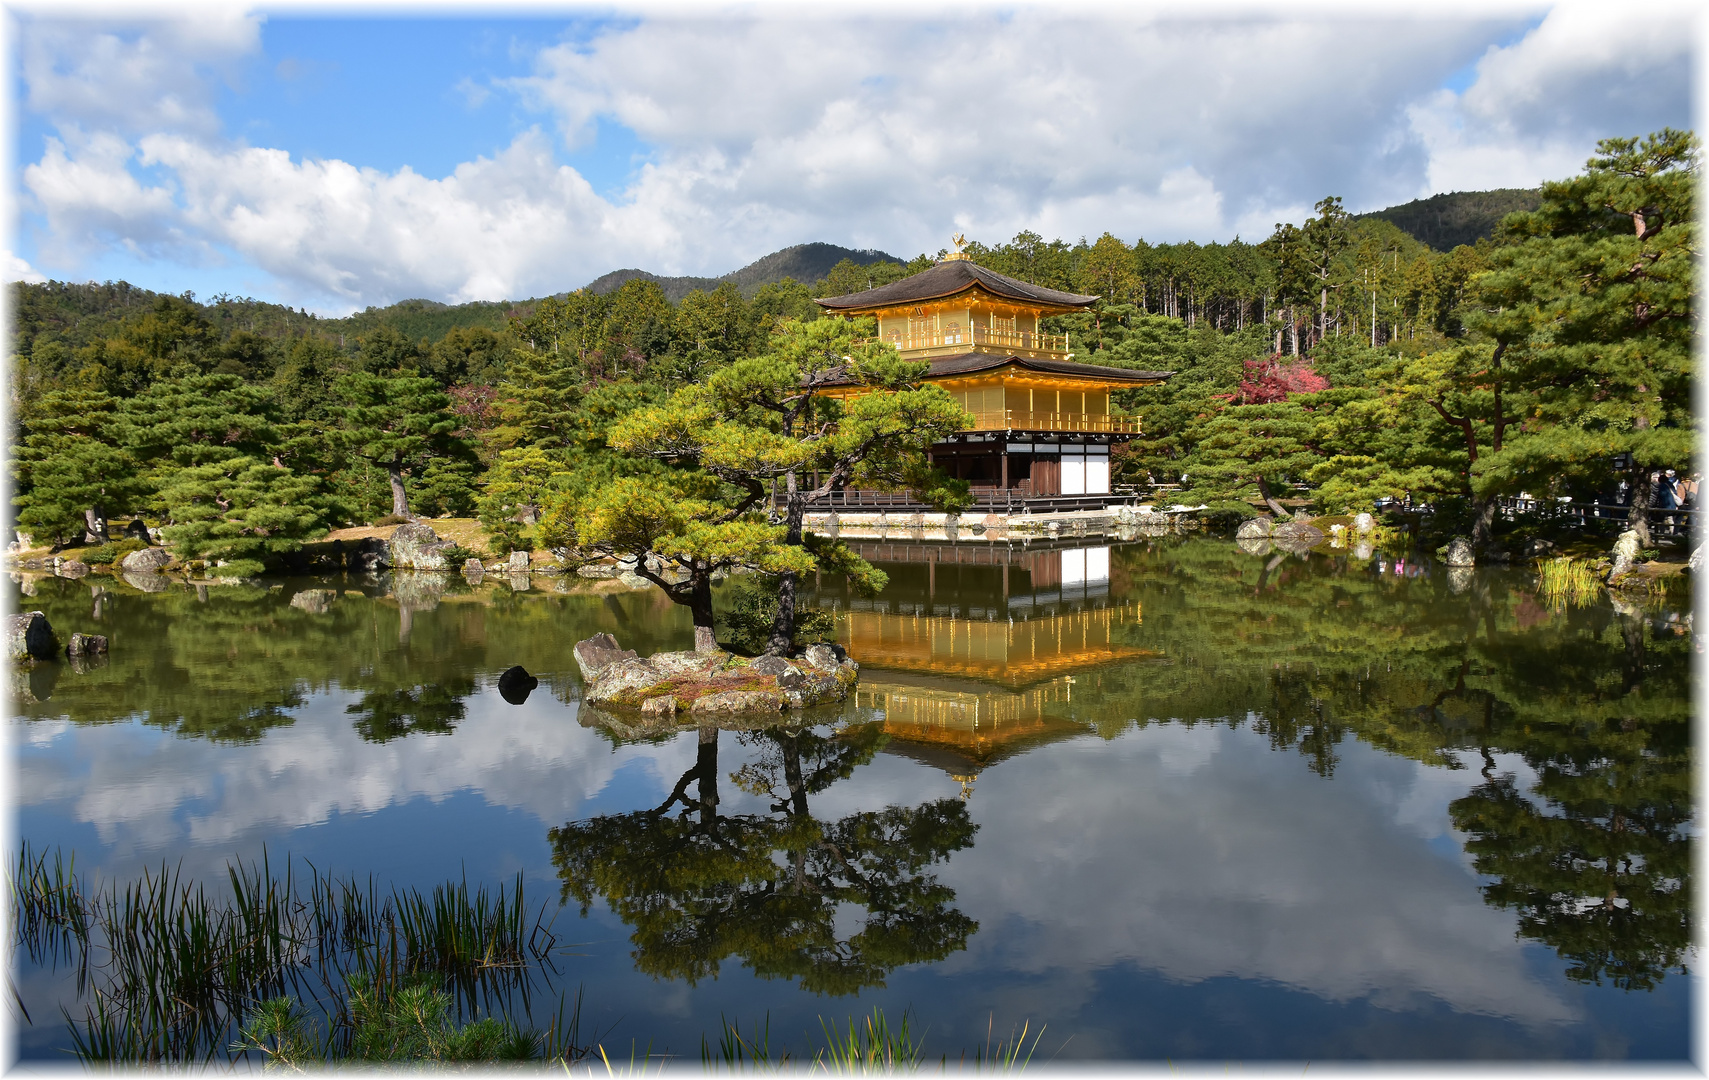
1028, 420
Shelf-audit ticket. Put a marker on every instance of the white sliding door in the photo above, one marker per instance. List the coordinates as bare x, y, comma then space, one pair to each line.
1073, 471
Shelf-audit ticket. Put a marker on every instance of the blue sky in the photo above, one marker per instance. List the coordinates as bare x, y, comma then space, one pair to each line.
334, 162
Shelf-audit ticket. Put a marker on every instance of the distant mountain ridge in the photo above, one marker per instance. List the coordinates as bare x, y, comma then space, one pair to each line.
806, 263
1444, 222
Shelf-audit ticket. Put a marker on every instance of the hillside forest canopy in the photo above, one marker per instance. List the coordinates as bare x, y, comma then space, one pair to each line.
1341, 356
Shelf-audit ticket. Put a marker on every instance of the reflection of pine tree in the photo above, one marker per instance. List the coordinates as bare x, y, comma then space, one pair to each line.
1604, 876
1598, 863
436, 708
699, 886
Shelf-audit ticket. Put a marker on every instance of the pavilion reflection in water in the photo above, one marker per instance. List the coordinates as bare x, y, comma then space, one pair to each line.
972, 652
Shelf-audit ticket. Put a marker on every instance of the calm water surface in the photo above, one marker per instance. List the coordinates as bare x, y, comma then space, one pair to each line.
1168, 798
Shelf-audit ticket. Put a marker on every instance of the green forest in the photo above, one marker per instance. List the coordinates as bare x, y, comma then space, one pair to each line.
1341, 357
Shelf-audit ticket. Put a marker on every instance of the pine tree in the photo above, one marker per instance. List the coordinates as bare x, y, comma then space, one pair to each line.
72, 468
398, 422
240, 512
764, 420
193, 419
1594, 314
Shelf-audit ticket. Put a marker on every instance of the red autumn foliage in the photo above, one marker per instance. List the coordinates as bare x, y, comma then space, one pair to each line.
476, 406
1275, 379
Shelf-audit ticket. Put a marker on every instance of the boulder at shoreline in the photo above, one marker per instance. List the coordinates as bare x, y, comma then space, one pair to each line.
712, 683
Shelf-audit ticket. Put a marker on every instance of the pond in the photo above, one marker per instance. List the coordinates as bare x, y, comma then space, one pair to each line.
1164, 798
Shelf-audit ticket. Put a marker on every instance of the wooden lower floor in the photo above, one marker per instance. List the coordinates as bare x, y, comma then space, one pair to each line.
1015, 472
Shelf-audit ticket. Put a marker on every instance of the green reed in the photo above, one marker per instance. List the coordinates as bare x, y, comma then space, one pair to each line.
865, 1046
869, 1047
173, 973
1567, 581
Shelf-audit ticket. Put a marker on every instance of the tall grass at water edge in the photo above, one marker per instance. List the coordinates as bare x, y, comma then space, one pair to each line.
865, 1046
166, 972
1565, 581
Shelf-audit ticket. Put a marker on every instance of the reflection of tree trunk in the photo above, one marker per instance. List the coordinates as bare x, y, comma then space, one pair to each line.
1269, 567
792, 774
706, 764
406, 619
1632, 630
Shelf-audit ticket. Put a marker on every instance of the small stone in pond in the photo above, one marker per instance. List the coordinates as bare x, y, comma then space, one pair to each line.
516, 684
85, 645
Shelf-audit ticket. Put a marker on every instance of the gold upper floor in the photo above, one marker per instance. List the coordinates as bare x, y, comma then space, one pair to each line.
974, 321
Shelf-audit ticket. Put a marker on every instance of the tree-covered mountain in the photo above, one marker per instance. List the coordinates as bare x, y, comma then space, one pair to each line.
1444, 222
803, 262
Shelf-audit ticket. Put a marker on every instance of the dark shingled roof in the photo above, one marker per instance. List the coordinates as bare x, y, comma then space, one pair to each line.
968, 363
948, 278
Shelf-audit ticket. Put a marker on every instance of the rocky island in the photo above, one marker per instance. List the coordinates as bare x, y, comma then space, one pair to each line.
712, 683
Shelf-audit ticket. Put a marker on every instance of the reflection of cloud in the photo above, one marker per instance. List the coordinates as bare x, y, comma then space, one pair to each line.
1190, 852
1249, 866
150, 793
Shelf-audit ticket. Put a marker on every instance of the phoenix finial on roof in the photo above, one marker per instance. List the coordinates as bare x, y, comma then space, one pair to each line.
959, 240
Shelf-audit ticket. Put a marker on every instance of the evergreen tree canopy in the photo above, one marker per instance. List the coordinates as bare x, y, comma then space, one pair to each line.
399, 423
72, 467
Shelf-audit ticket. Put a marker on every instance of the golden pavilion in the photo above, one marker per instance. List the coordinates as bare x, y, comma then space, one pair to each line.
1043, 426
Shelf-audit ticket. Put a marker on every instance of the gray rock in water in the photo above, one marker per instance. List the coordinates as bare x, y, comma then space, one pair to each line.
518, 562
663, 705
1296, 536
146, 561
314, 601
634, 580
85, 645
1364, 523
1256, 529
1459, 552
29, 636
472, 568
597, 571
597, 653
72, 568
369, 554
146, 581
1259, 545
622, 677
417, 547
519, 581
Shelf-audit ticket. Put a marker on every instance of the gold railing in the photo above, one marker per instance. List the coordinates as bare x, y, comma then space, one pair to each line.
1028, 420
968, 336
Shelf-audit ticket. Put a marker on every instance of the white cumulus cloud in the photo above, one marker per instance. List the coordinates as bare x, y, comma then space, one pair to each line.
1537, 107
763, 129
